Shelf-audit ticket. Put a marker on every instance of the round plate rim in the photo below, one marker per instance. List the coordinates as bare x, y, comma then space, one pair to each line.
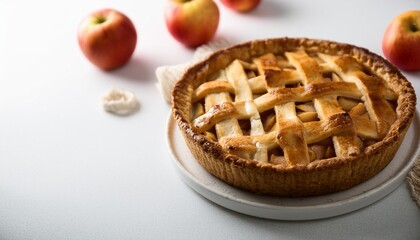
282, 212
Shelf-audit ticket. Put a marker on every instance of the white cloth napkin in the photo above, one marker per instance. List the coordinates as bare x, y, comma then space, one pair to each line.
168, 75
413, 181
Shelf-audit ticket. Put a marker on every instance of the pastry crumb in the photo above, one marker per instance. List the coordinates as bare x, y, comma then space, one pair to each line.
120, 102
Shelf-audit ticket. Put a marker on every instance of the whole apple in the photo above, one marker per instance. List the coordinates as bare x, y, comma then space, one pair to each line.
401, 41
107, 38
192, 22
241, 5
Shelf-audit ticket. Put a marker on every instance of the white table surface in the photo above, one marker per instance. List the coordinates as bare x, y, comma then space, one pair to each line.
69, 170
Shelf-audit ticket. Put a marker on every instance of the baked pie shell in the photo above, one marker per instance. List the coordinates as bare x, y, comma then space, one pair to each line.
318, 177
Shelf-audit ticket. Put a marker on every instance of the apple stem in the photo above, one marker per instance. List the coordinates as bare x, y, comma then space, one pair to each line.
414, 27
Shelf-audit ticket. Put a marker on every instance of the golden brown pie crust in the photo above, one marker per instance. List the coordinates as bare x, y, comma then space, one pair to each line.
297, 180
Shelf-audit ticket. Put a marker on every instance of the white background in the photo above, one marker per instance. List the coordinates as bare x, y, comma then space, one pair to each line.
69, 170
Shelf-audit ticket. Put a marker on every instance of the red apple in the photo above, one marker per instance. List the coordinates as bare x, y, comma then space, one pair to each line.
241, 5
401, 41
107, 38
192, 22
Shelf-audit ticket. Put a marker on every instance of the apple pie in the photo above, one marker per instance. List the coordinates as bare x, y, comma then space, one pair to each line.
293, 117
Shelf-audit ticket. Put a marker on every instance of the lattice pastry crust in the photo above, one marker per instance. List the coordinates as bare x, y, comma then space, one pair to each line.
293, 117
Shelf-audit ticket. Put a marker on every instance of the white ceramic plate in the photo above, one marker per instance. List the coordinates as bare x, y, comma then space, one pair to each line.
294, 208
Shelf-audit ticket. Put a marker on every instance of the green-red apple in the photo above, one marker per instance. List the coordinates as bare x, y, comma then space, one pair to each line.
241, 5
192, 22
107, 38
401, 41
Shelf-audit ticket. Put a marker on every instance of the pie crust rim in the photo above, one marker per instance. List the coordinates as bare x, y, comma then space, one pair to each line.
315, 178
